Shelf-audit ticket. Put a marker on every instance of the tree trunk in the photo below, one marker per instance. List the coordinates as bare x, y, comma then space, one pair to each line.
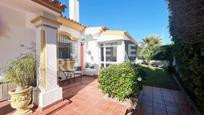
148, 63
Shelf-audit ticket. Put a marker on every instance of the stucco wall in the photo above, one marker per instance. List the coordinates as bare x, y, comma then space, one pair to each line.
91, 52
17, 34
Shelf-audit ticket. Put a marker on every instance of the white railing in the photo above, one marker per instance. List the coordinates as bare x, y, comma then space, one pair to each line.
4, 89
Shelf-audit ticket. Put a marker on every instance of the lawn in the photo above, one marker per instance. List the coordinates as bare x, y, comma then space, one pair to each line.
158, 77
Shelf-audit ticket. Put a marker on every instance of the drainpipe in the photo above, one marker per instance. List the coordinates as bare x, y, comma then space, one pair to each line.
82, 54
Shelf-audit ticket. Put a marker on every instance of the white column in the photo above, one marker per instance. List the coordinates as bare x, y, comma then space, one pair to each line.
121, 52
46, 50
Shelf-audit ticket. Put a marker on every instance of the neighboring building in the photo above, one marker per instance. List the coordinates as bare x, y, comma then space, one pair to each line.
37, 26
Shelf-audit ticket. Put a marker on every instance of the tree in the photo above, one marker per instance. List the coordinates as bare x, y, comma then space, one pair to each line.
149, 47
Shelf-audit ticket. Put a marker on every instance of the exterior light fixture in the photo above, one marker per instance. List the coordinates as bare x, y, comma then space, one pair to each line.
82, 41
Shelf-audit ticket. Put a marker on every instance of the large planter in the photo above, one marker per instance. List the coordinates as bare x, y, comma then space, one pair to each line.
20, 100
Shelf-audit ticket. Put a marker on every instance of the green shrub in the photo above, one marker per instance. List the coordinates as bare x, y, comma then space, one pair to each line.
120, 81
140, 70
170, 69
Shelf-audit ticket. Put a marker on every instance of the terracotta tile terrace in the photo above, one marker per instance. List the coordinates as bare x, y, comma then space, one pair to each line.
82, 97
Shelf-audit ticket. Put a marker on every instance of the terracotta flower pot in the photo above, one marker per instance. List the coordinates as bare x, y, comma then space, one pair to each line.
20, 100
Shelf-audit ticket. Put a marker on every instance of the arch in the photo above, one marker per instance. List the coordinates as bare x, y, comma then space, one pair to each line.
66, 45
68, 36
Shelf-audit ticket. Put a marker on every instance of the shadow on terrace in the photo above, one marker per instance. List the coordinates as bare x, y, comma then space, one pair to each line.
71, 87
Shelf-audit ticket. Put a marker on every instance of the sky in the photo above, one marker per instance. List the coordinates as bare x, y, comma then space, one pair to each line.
139, 17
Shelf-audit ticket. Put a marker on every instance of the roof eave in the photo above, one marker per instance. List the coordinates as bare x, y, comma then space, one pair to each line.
52, 4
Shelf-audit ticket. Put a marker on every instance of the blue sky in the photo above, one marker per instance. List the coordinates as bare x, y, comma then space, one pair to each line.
139, 17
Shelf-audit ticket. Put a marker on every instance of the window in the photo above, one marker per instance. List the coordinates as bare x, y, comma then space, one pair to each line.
65, 51
111, 54
102, 52
65, 47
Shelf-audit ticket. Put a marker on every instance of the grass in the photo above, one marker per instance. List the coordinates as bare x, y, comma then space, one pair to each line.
158, 77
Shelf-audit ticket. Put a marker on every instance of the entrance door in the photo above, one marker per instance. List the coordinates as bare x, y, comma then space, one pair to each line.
108, 55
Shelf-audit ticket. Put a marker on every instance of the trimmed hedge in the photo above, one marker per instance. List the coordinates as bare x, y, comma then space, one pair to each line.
120, 81
165, 52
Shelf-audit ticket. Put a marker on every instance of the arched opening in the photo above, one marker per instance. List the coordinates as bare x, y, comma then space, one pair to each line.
66, 52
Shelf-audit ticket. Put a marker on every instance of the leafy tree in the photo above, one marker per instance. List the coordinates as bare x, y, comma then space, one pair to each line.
149, 47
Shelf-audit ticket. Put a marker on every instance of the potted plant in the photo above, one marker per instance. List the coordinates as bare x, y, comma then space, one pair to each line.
21, 72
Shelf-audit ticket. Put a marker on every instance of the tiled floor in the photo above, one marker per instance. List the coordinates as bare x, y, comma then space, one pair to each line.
80, 98
87, 99
159, 101
84, 98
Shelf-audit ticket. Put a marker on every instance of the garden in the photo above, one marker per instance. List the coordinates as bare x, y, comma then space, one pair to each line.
125, 81
158, 77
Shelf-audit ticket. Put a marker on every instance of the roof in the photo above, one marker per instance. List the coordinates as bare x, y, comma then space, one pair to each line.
65, 21
55, 5
122, 33
97, 27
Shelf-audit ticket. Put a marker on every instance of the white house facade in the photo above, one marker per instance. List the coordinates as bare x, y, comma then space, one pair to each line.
58, 43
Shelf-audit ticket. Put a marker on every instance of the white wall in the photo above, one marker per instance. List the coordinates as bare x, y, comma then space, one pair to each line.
15, 31
121, 52
93, 41
91, 49
91, 52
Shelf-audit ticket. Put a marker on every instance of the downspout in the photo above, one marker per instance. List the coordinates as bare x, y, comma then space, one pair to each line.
82, 56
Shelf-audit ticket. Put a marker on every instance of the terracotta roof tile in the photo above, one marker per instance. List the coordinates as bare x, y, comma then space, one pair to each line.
73, 21
55, 5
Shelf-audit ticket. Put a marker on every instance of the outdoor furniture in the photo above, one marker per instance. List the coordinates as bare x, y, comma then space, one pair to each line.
67, 68
91, 70
68, 74
65, 65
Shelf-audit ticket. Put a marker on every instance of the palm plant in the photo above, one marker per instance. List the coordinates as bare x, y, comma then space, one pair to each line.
21, 71
149, 46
